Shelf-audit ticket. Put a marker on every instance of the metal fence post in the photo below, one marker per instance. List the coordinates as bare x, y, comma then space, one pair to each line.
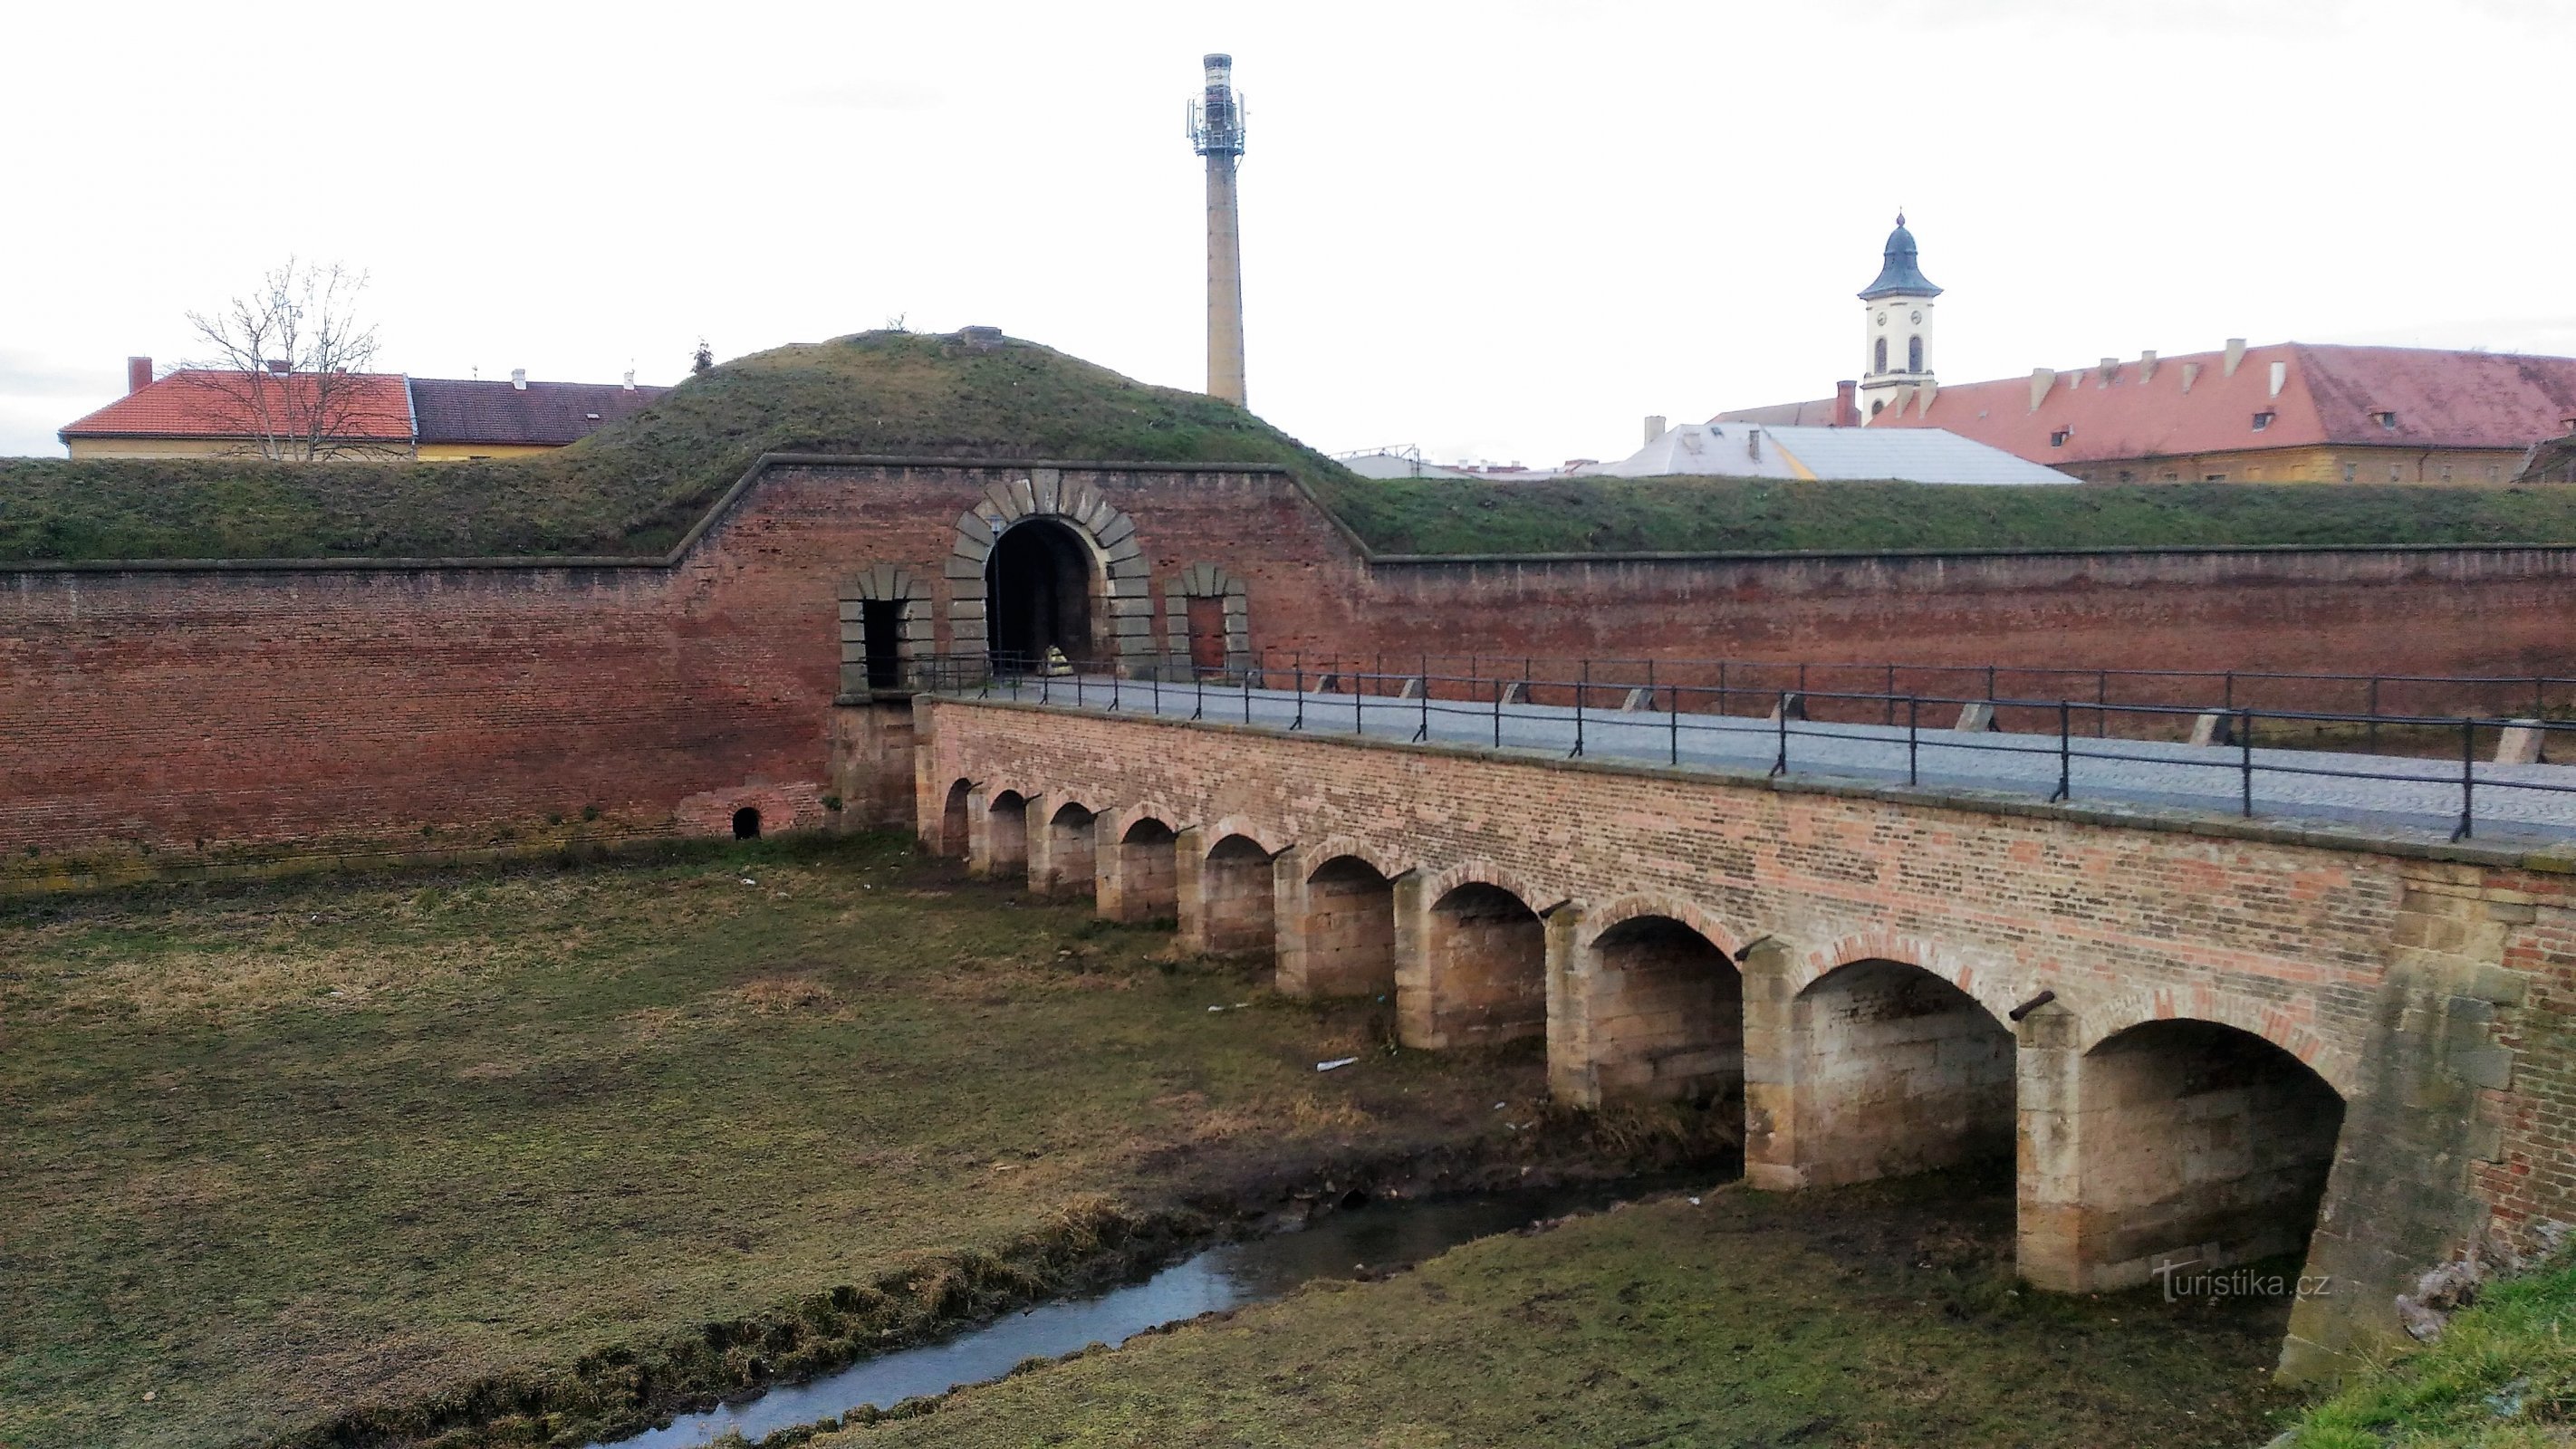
1198, 682
2371, 698
2065, 756
1247, 699
1721, 687
2245, 761
2468, 778
1913, 738
1780, 761
1582, 687
1299, 722
1359, 706
1498, 714
1673, 730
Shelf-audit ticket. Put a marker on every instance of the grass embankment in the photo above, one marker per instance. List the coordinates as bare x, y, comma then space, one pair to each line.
634, 487
1721, 515
2502, 1376
278, 1152
1882, 1316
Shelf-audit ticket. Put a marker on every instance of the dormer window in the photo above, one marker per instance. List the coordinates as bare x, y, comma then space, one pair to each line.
2387, 420
2058, 439
2262, 420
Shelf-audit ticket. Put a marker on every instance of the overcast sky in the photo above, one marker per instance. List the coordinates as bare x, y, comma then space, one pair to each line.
1495, 230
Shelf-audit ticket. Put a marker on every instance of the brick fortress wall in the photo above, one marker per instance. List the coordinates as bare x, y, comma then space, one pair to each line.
200, 712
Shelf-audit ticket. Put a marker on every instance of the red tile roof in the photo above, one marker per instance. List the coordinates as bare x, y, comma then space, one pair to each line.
200, 404
447, 410
2349, 396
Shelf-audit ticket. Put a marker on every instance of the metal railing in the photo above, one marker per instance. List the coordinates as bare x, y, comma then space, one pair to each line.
1703, 722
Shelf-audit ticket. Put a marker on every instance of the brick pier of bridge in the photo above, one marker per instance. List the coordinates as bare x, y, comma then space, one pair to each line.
2202, 1042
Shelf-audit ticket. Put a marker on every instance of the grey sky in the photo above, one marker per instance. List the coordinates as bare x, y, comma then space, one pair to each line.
1496, 229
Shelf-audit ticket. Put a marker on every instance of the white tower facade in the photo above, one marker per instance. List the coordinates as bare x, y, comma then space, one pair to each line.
1896, 336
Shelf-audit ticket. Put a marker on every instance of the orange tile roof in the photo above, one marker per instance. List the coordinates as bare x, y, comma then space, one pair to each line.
2402, 397
202, 404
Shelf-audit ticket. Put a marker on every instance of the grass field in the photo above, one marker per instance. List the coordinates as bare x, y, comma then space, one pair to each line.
2502, 1376
1879, 1316
277, 1152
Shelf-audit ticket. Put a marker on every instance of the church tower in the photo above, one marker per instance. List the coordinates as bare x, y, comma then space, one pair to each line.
1898, 334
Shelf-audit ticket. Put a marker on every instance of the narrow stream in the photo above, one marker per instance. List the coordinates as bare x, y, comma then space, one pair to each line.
1341, 1245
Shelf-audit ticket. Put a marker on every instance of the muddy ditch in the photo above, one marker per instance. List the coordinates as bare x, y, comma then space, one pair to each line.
1086, 1249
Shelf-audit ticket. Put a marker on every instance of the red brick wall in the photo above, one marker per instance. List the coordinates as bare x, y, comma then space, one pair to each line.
346, 708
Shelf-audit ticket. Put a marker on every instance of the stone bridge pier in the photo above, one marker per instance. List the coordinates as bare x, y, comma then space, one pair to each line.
2192, 1046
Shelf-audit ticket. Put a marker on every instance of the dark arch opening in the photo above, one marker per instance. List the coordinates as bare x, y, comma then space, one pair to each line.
1148, 873
1240, 904
1903, 1072
1071, 864
1488, 957
1667, 1014
1349, 930
746, 824
1038, 586
953, 821
2197, 1135
1913, 354
1881, 357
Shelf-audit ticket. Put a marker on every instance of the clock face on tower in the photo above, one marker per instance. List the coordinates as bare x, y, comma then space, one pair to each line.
1882, 319
1918, 318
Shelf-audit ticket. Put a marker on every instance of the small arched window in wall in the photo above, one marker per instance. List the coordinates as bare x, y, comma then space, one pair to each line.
1913, 354
885, 626
1882, 356
1207, 623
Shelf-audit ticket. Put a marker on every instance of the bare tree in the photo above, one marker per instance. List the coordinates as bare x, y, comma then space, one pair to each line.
285, 360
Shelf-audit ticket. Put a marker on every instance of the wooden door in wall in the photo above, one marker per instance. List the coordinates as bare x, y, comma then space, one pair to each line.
1207, 635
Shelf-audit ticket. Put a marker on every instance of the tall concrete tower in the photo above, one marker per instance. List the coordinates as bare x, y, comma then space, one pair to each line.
1898, 327
1216, 129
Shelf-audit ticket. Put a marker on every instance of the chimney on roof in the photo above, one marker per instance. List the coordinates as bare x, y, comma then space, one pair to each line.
2235, 354
280, 366
2280, 375
2110, 365
1753, 444
1846, 405
138, 374
2146, 367
2190, 374
519, 379
1654, 426
2041, 380
630, 379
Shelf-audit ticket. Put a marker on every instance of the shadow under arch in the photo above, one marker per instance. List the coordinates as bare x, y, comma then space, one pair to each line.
1663, 1013
2196, 1143
1892, 1070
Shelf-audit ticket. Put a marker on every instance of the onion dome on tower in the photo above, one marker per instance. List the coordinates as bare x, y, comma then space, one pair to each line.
1898, 276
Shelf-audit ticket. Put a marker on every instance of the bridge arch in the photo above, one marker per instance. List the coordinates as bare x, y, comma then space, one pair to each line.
1137, 853
1877, 1067
1486, 873
1270, 838
1068, 862
1322, 852
1597, 923
1006, 832
1481, 977
956, 821
1336, 923
2179, 1145
1991, 984
1229, 898
2110, 1013
1653, 1007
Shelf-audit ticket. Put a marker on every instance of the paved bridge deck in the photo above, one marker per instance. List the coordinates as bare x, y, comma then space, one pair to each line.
2395, 795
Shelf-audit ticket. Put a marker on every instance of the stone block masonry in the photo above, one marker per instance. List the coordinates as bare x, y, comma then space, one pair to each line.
2200, 1043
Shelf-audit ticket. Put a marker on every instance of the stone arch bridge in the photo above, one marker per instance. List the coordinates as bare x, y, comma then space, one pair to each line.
2202, 1044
